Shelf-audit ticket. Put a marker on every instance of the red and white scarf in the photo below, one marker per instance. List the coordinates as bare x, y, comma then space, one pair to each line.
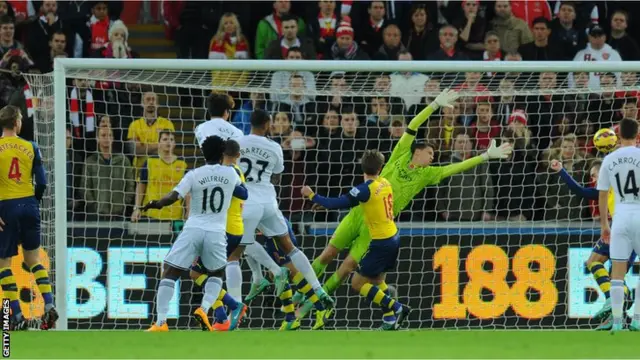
328, 25
28, 97
89, 116
488, 57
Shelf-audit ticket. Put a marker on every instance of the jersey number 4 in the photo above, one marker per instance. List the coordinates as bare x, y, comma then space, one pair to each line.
14, 170
261, 163
211, 200
630, 186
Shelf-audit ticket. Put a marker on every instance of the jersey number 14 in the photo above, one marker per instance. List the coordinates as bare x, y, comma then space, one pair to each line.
630, 186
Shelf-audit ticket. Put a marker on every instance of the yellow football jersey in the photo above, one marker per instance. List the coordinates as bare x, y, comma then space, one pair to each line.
147, 134
378, 209
18, 157
234, 214
161, 178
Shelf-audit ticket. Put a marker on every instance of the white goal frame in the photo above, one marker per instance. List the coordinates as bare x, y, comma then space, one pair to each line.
62, 65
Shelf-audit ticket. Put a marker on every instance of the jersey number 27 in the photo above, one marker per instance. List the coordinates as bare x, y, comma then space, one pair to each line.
261, 163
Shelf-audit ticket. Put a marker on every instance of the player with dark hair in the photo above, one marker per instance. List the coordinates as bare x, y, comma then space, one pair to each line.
20, 165
619, 171
211, 187
375, 197
600, 253
409, 171
234, 230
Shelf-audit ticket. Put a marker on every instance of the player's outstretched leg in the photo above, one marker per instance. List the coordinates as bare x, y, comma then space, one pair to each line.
280, 274
290, 322
259, 283
365, 287
300, 262
32, 260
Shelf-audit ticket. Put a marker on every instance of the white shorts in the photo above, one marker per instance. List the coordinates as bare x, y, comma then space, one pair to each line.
266, 217
625, 235
210, 246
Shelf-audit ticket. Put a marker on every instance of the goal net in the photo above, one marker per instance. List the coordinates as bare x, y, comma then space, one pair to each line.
502, 245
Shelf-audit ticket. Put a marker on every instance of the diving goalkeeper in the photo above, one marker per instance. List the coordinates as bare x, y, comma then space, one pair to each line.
409, 172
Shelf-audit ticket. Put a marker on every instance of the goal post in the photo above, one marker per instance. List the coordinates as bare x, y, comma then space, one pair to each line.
440, 306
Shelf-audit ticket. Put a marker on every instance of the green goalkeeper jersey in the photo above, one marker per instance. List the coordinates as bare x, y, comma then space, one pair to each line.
407, 181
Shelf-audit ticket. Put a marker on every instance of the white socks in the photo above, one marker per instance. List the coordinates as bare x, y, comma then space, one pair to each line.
256, 270
234, 280
259, 254
211, 291
165, 293
300, 261
617, 300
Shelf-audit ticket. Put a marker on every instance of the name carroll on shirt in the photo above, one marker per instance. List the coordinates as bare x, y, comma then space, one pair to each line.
630, 160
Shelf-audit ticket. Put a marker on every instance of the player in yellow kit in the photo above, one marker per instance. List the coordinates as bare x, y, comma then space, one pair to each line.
235, 229
600, 253
375, 197
20, 164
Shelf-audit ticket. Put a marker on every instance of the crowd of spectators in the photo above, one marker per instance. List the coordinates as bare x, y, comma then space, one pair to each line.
122, 153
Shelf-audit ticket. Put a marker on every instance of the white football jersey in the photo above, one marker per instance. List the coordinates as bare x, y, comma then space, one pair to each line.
217, 127
621, 170
211, 188
607, 53
260, 157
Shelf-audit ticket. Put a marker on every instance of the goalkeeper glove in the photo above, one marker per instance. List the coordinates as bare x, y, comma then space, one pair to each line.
495, 152
445, 99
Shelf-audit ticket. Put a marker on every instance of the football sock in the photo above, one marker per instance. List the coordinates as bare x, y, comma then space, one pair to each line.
10, 290
201, 279
601, 275
219, 314
304, 287
42, 280
617, 299
256, 270
259, 254
218, 307
318, 267
388, 316
636, 309
211, 291
376, 296
300, 261
165, 293
287, 305
332, 283
233, 274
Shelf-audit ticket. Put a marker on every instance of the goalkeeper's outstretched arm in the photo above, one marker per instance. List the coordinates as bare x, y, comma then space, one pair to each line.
445, 99
494, 152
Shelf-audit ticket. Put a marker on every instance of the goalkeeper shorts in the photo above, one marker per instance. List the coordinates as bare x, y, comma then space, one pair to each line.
349, 229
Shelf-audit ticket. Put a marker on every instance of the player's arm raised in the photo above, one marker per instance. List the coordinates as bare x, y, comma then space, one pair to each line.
493, 152
584, 192
445, 99
357, 195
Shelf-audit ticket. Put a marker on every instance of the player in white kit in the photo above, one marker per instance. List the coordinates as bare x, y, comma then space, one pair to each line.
211, 187
219, 107
260, 158
621, 170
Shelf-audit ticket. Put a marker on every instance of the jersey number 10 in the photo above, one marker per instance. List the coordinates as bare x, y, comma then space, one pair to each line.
211, 200
14, 170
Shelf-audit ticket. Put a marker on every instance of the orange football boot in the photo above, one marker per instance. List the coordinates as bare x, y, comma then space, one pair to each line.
203, 319
222, 326
155, 328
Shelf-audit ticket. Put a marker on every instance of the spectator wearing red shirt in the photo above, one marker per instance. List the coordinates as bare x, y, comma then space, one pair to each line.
530, 10
485, 127
472, 26
278, 49
99, 25
422, 38
322, 27
229, 42
540, 49
448, 36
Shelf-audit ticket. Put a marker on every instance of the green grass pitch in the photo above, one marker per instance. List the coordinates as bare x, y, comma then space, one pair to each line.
324, 344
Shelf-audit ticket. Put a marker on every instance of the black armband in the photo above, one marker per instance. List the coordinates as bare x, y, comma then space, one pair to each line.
411, 132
